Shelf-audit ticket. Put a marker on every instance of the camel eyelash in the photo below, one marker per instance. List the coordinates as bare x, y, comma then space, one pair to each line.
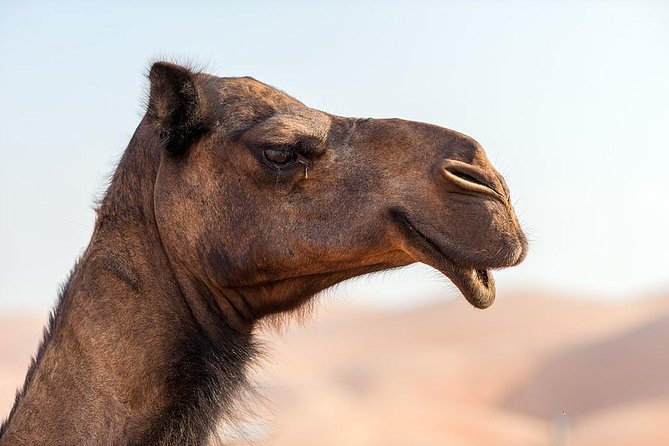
306, 148
281, 158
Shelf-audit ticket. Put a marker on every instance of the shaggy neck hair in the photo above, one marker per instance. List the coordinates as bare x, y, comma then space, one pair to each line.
177, 368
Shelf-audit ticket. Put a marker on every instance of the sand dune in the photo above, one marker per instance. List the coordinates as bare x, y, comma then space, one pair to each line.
448, 374
531, 370
624, 369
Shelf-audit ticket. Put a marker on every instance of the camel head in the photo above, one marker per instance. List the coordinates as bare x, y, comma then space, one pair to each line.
260, 196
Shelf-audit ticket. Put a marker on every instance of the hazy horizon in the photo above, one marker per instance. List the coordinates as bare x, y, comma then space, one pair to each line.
568, 99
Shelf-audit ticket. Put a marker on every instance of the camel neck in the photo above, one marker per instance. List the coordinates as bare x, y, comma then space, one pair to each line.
127, 358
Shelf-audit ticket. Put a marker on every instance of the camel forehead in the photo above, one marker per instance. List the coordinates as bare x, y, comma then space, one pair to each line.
248, 89
243, 102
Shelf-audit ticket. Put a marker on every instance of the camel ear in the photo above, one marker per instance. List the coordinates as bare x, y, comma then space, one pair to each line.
176, 106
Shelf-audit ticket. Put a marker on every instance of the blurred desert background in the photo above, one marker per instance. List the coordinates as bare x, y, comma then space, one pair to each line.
533, 370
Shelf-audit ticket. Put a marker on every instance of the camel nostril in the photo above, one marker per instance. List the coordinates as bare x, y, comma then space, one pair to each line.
469, 177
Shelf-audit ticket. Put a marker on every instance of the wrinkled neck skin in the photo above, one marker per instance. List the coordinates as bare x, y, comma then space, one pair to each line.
133, 354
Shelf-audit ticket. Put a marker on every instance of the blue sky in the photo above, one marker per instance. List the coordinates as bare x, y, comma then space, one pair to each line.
570, 100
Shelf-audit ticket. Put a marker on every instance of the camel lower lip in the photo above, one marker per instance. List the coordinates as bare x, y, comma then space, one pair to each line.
476, 285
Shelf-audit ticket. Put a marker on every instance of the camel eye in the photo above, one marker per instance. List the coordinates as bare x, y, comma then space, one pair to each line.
280, 156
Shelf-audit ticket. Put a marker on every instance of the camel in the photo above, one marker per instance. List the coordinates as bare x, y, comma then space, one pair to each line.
234, 202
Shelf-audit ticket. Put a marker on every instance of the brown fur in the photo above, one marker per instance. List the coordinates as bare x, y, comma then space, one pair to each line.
234, 202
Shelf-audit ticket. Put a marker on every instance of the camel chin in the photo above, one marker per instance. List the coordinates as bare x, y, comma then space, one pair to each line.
476, 284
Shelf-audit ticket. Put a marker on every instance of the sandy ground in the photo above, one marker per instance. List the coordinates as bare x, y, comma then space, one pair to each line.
532, 370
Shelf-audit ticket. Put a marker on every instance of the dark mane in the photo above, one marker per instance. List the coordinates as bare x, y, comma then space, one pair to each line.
47, 333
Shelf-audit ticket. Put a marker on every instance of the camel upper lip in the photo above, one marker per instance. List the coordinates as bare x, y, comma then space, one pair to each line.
476, 284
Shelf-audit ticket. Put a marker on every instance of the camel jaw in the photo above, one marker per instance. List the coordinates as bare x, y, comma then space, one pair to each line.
477, 285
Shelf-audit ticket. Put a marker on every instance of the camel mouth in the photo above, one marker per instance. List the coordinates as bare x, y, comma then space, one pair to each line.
477, 285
